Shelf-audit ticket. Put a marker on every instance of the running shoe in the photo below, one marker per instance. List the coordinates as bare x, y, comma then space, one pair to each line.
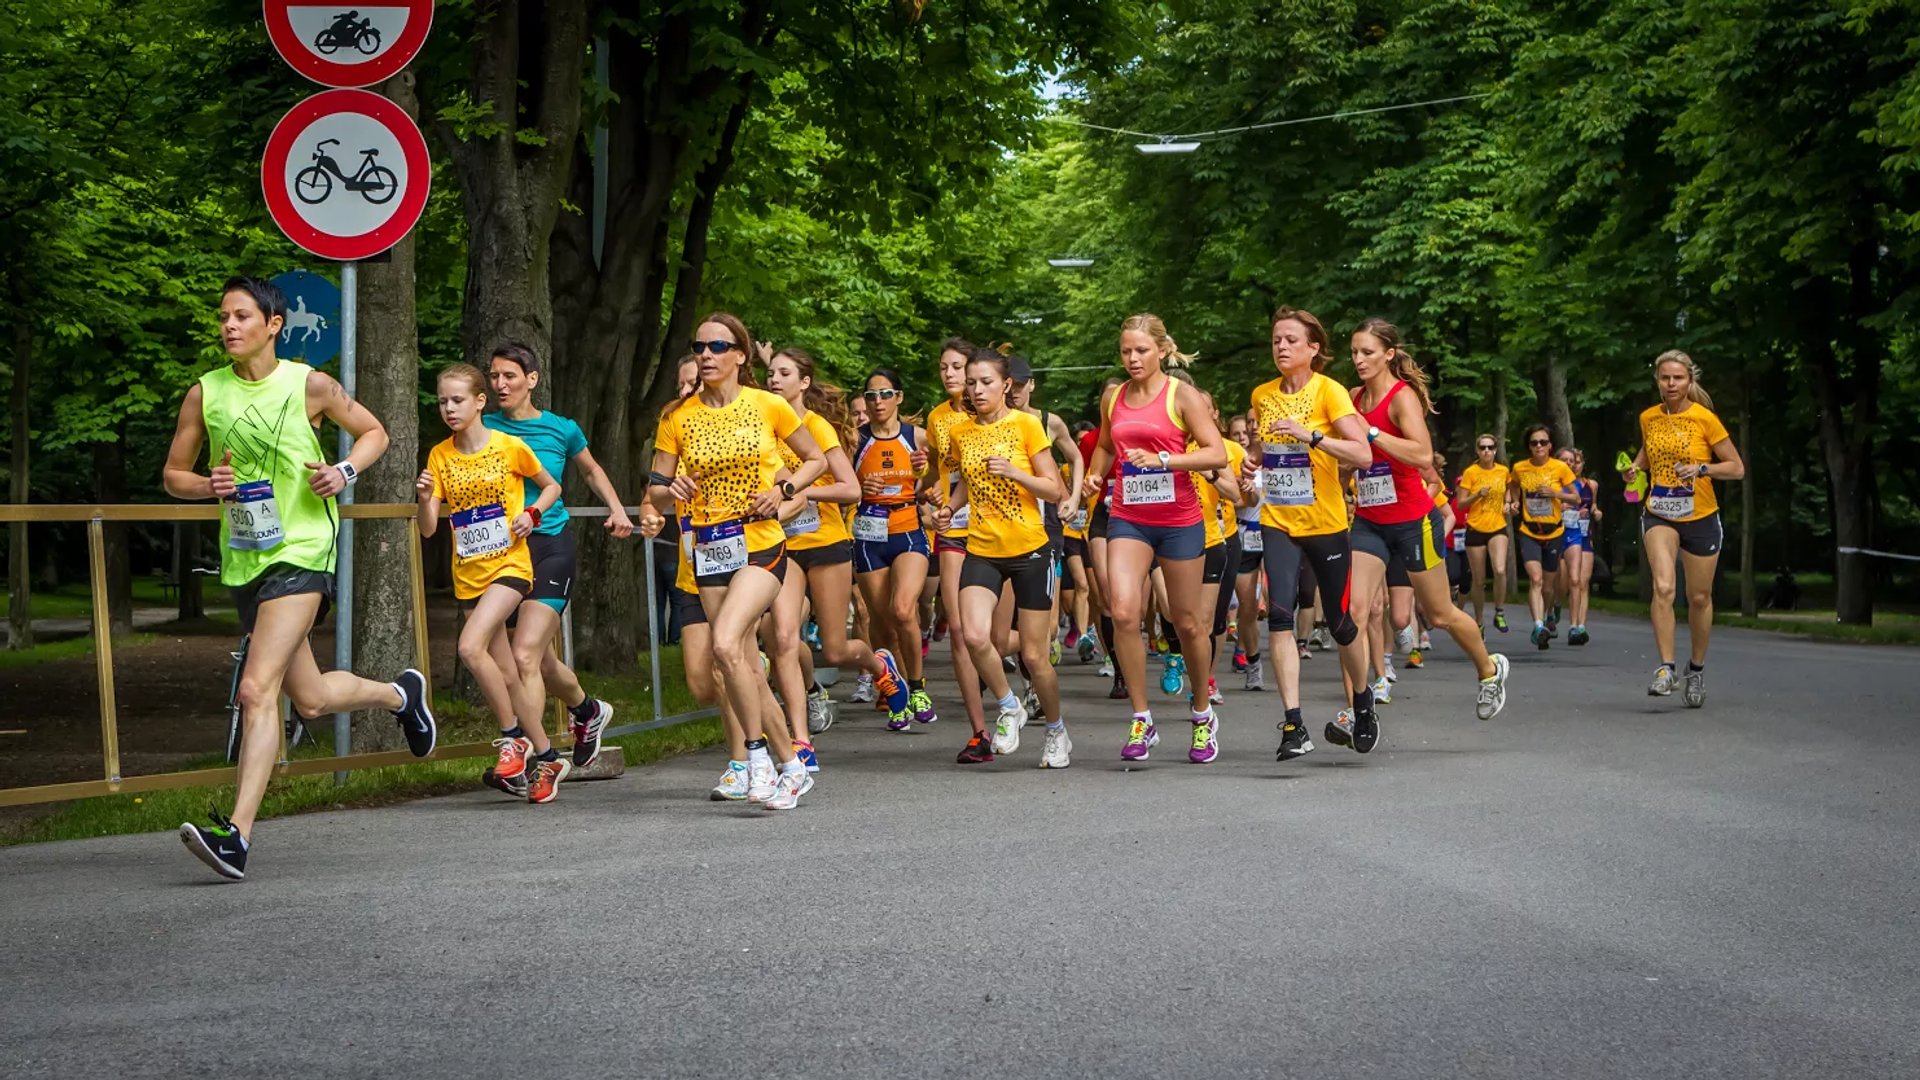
586, 734
1578, 636
862, 689
810, 634
732, 786
1009, 664
415, 714
1206, 740
1105, 670
1664, 680
1366, 730
1386, 668
1057, 753
1073, 639
1159, 647
1321, 639
1118, 691
1239, 659
1086, 648
760, 779
1006, 728
979, 749
1403, 639
1383, 691
546, 780
1553, 620
926, 646
788, 788
1539, 636
1173, 678
940, 628
1416, 659
899, 721
1053, 652
1305, 653
1695, 692
819, 711
1492, 695
1426, 640
1141, 738
512, 761
1294, 741
808, 759
1214, 696
1499, 620
920, 703
1256, 675
515, 787
890, 684
217, 844
1339, 730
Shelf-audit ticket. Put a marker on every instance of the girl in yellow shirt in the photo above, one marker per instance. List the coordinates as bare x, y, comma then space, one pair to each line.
937, 488
1483, 497
1542, 487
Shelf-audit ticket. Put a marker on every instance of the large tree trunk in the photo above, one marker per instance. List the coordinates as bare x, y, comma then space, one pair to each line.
1849, 411
110, 482
1749, 585
19, 565
389, 386
1500, 413
1554, 412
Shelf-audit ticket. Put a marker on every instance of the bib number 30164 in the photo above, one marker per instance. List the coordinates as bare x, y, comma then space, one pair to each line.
481, 531
1144, 487
253, 518
719, 549
1286, 474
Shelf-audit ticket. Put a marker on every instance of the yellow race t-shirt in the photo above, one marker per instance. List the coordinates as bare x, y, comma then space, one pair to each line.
1539, 485
818, 524
1300, 490
1006, 519
732, 452
1489, 514
1683, 438
1220, 524
940, 447
483, 492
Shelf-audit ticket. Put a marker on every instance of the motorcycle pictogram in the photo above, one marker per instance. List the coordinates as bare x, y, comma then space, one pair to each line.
348, 31
375, 183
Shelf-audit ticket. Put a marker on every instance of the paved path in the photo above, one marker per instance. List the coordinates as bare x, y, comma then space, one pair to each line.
1597, 884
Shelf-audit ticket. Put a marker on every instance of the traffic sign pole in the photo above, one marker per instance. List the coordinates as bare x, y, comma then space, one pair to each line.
343, 577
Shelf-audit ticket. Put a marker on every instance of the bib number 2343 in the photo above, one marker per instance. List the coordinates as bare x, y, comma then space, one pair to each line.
1286, 474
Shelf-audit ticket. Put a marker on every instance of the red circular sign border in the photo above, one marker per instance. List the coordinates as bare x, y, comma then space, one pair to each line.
273, 171
347, 76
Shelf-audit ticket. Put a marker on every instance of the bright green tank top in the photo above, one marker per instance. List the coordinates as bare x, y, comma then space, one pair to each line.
274, 517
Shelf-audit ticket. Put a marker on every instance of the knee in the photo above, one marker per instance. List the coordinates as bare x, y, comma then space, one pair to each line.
1343, 629
730, 653
1035, 654
1126, 610
786, 638
1663, 591
530, 660
472, 651
257, 694
975, 637
1699, 598
1279, 618
905, 611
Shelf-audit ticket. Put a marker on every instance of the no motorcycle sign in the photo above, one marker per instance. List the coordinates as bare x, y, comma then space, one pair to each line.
348, 45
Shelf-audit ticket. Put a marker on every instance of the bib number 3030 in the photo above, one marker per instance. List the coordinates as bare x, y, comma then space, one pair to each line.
719, 549
253, 518
481, 531
1286, 474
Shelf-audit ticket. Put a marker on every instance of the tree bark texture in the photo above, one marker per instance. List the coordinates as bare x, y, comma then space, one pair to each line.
19, 562
1848, 390
389, 386
1554, 411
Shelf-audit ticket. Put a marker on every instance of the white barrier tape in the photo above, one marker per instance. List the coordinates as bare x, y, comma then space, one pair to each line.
1881, 554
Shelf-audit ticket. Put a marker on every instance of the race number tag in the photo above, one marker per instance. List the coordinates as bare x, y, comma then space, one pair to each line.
481, 531
1375, 486
686, 540
890, 491
870, 523
804, 522
1079, 523
962, 515
1459, 539
719, 549
1286, 474
1251, 539
1570, 518
253, 518
1673, 503
1539, 506
1144, 487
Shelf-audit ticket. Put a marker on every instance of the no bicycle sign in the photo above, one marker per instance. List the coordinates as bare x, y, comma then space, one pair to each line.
345, 174
348, 44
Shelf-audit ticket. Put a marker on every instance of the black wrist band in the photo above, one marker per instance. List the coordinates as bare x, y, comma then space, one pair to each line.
660, 480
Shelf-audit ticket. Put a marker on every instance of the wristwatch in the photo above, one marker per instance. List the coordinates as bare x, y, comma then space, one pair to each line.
1165, 458
1373, 433
1314, 440
786, 488
348, 474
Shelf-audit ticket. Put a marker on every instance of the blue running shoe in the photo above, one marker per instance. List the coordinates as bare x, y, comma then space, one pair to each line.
804, 751
1173, 677
890, 683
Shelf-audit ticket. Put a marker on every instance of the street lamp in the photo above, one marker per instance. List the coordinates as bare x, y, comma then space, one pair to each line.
1165, 146
1069, 262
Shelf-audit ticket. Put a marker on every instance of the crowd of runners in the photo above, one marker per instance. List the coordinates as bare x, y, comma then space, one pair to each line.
812, 519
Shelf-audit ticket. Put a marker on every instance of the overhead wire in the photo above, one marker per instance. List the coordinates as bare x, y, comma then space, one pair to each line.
1219, 133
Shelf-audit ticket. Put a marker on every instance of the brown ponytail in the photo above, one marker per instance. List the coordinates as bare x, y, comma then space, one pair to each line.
1401, 363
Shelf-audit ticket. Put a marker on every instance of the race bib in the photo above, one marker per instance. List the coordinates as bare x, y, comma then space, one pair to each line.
1286, 474
253, 518
870, 523
1251, 539
481, 531
1080, 520
1570, 518
719, 549
962, 515
1673, 503
804, 522
891, 491
1374, 486
1459, 539
1539, 506
1144, 487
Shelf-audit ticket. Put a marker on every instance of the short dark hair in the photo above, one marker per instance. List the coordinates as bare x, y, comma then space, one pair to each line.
265, 294
519, 354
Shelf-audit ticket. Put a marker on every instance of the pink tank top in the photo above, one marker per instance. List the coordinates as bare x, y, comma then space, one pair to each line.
1152, 496
1389, 491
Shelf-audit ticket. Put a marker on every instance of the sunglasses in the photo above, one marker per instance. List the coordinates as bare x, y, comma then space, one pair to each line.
717, 348
1539, 442
1486, 446
880, 395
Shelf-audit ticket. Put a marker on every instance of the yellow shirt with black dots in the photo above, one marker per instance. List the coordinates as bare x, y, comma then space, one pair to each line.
1539, 485
828, 527
1006, 519
732, 452
1683, 438
1316, 407
1215, 514
492, 476
941, 422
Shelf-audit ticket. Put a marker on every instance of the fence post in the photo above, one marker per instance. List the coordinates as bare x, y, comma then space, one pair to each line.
653, 631
103, 648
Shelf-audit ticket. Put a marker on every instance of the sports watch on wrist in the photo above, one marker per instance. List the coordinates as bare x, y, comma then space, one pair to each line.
1373, 433
1165, 458
348, 474
1314, 440
786, 488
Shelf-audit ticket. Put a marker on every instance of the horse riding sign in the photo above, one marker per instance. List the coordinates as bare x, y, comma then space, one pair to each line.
312, 331
338, 44
353, 211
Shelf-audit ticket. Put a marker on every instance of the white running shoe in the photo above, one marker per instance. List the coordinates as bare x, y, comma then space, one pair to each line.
1663, 681
1006, 729
1106, 668
1492, 695
788, 789
1058, 751
1426, 641
1382, 692
1256, 675
1320, 640
1386, 665
760, 781
732, 786
819, 711
862, 689
1403, 639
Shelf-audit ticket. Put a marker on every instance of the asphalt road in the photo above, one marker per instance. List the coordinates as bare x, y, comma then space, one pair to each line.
1595, 884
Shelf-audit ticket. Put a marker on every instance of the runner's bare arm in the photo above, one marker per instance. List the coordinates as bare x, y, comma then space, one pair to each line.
1415, 446
325, 397
618, 523
844, 489
1076, 463
178, 475
1210, 450
681, 488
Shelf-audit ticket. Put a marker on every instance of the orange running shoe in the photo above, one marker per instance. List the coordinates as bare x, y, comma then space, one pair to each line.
546, 780
513, 756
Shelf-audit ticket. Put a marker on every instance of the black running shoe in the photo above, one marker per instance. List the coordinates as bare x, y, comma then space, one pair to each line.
218, 845
1119, 690
415, 713
1577, 636
515, 786
1366, 730
978, 751
1294, 741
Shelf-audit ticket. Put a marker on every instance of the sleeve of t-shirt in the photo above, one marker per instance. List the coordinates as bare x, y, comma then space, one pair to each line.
780, 415
1037, 440
667, 438
1712, 428
1566, 473
576, 439
823, 432
436, 464
1236, 456
521, 459
1337, 402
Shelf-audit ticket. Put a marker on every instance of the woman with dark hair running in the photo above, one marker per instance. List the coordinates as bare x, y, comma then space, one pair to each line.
1542, 487
890, 552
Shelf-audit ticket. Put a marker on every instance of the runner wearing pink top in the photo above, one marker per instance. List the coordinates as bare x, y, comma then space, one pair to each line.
1155, 518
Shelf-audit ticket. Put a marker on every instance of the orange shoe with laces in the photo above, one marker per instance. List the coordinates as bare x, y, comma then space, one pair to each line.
513, 756
546, 780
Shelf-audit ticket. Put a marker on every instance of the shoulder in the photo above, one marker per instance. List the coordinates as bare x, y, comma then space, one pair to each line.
1649, 414
318, 382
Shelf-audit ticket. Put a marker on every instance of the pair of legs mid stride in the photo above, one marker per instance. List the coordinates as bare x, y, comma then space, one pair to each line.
1179, 551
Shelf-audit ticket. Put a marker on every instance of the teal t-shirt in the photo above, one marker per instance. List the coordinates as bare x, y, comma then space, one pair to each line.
554, 439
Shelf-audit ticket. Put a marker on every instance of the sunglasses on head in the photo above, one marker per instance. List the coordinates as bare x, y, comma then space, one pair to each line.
887, 394
717, 348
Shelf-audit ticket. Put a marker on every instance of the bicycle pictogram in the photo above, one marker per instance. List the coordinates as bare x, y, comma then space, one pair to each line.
375, 183
348, 31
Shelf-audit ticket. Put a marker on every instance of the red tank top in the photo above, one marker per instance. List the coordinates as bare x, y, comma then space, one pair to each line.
1389, 492
1152, 496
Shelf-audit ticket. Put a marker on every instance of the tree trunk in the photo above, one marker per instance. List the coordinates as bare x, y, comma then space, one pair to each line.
19, 565
1749, 586
110, 482
1500, 413
1849, 412
389, 386
189, 586
1554, 411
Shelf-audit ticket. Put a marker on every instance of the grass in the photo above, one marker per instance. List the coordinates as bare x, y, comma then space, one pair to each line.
75, 601
69, 649
1889, 628
113, 815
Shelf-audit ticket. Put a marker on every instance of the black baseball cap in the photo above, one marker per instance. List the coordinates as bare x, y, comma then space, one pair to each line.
1018, 369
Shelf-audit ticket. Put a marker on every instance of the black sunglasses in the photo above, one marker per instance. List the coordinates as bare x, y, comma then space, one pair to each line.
880, 395
1539, 442
717, 348
1486, 446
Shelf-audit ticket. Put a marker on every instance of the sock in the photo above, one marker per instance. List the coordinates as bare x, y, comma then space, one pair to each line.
1106, 630
1363, 701
793, 766
586, 710
1056, 725
1293, 717
552, 754
1253, 656
1201, 716
1147, 716
1691, 666
757, 752
403, 699
813, 687
1009, 702
513, 732
917, 684
799, 743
